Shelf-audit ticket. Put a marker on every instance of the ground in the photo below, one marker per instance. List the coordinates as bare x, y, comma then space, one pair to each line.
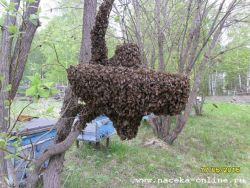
242, 99
219, 138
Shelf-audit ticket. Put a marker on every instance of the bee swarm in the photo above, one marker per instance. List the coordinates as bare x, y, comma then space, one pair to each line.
120, 88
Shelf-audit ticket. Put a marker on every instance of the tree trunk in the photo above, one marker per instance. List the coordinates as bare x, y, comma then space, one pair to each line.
161, 126
209, 84
52, 175
160, 52
152, 59
240, 82
182, 47
182, 119
22, 47
138, 33
190, 52
89, 13
54, 150
122, 24
248, 80
160, 36
215, 82
5, 60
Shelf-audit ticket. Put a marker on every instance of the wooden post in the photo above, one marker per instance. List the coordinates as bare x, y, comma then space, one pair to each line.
107, 142
77, 144
98, 145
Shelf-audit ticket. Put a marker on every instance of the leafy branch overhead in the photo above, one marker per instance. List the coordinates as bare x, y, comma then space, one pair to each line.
40, 88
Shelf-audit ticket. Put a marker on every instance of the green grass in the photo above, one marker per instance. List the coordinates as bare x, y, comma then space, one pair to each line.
221, 137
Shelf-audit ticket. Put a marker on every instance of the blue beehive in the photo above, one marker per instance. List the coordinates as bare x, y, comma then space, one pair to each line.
38, 134
98, 129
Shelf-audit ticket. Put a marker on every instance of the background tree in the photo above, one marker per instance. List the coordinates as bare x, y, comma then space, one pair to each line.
186, 37
16, 38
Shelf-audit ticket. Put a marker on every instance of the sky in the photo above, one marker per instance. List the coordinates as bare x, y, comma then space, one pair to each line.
46, 13
51, 8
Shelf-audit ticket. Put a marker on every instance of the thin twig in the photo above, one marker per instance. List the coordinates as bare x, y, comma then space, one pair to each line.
32, 149
9, 132
7, 151
57, 57
230, 49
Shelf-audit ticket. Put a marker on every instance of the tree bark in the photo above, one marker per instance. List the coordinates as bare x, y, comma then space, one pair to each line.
5, 60
209, 84
22, 47
52, 175
160, 35
53, 150
182, 42
56, 150
122, 24
152, 59
89, 13
193, 51
192, 42
138, 32
161, 126
182, 119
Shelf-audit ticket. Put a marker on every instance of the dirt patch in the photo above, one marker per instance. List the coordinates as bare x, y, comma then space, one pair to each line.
156, 143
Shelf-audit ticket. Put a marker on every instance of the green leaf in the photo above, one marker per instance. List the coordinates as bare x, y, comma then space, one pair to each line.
11, 7
53, 91
32, 91
12, 29
30, 77
2, 142
48, 84
30, 1
117, 19
43, 92
8, 88
36, 81
50, 110
1, 77
4, 3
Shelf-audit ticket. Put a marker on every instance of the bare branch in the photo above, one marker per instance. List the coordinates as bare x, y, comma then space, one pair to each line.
14, 125
242, 45
9, 152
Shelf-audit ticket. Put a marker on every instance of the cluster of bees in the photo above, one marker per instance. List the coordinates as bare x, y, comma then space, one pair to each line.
121, 88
